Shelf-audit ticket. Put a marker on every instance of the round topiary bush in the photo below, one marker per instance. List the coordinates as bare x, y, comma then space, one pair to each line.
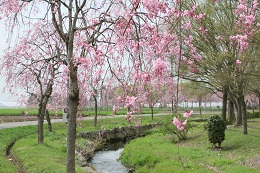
216, 130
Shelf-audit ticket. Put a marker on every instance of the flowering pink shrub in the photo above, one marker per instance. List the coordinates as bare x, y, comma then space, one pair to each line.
179, 123
130, 101
182, 125
187, 114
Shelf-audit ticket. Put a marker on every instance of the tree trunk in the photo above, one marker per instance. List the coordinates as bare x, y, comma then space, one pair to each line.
224, 104
73, 102
48, 120
200, 107
244, 116
41, 113
42, 104
231, 111
239, 112
172, 108
96, 107
40, 127
259, 103
151, 107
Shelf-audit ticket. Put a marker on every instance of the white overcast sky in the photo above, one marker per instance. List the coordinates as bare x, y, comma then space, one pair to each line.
4, 97
2, 47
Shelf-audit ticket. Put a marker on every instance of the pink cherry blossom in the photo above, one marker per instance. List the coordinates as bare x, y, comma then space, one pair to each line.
120, 99
159, 66
181, 125
187, 113
238, 62
130, 101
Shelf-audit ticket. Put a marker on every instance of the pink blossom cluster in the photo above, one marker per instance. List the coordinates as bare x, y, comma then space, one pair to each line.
179, 123
120, 99
194, 70
243, 7
238, 62
83, 61
10, 6
159, 66
246, 12
143, 77
130, 101
99, 57
123, 26
199, 16
241, 40
155, 6
187, 114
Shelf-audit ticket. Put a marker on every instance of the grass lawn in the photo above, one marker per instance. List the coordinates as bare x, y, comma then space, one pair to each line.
154, 153
24, 111
90, 111
157, 153
18, 111
49, 157
84, 111
7, 136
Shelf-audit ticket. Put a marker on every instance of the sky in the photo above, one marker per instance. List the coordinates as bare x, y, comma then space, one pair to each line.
4, 97
2, 47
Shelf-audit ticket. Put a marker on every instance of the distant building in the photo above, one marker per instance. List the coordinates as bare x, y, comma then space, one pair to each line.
156, 105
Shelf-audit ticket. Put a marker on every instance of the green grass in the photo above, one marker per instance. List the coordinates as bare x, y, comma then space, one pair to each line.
22, 111
88, 111
17, 111
50, 157
84, 112
7, 136
156, 152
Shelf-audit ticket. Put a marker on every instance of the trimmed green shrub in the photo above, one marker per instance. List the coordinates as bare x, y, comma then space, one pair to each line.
216, 130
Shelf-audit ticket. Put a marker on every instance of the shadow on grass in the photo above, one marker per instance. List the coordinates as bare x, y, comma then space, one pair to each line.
227, 147
232, 147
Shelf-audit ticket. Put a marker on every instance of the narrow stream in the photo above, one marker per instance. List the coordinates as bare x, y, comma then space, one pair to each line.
107, 162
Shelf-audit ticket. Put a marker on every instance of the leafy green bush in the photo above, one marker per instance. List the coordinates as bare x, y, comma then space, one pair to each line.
216, 130
176, 127
255, 114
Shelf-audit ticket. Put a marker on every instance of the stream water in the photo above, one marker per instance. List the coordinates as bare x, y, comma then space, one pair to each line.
107, 162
